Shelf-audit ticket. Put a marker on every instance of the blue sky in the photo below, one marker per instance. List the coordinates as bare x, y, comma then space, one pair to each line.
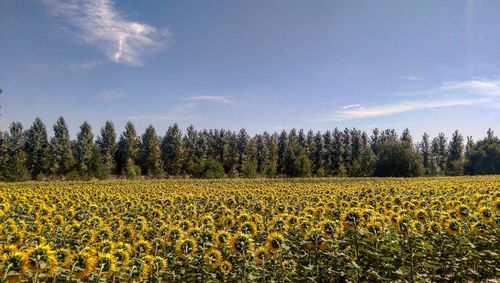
264, 65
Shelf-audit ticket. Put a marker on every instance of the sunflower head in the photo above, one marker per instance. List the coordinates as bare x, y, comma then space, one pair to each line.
212, 257
241, 244
106, 265
225, 267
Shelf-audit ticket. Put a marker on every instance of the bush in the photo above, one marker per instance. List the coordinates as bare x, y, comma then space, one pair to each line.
249, 169
297, 164
210, 169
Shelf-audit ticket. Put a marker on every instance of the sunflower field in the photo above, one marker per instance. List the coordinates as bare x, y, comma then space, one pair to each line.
283, 230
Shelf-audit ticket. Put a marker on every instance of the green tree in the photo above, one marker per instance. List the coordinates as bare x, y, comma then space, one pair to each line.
128, 151
439, 153
85, 150
365, 165
484, 156
171, 150
398, 159
16, 168
189, 156
425, 152
297, 164
106, 143
455, 160
241, 144
249, 169
317, 153
150, 155
210, 168
4, 154
37, 149
282, 143
63, 159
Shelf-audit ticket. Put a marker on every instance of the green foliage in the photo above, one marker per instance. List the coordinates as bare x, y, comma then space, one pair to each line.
37, 148
63, 159
484, 156
249, 169
106, 143
398, 159
150, 153
128, 150
171, 151
365, 165
210, 168
85, 150
296, 162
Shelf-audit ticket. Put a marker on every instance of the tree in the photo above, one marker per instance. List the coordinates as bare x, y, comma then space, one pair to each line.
261, 153
297, 164
16, 168
37, 149
346, 149
150, 155
327, 154
241, 144
4, 154
317, 154
425, 151
249, 169
63, 159
210, 168
85, 149
397, 159
455, 161
189, 157
231, 159
484, 156
439, 153
365, 165
171, 150
128, 151
281, 148
106, 143
338, 167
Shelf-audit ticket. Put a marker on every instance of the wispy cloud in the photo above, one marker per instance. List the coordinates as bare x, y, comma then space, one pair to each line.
99, 24
447, 94
480, 87
410, 78
400, 107
84, 66
209, 98
350, 106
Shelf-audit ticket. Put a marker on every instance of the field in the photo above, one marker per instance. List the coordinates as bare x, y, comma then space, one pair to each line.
306, 230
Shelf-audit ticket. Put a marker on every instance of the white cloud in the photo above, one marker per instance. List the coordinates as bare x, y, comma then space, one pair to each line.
209, 98
405, 106
82, 66
349, 106
102, 26
479, 87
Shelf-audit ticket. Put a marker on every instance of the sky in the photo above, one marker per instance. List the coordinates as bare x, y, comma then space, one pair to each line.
430, 66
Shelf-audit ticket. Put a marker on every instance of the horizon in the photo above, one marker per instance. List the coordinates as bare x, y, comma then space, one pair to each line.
263, 66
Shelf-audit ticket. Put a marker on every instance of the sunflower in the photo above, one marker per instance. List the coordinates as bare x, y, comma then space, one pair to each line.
351, 219
225, 267
241, 244
452, 227
248, 228
479, 228
8, 249
42, 258
289, 267
139, 269
434, 228
63, 257
275, 242
15, 266
106, 265
158, 265
328, 228
82, 263
374, 230
486, 214
174, 234
212, 257
315, 239
186, 247
142, 247
261, 255
222, 238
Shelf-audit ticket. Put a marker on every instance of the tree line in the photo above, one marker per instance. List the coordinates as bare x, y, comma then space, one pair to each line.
216, 153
